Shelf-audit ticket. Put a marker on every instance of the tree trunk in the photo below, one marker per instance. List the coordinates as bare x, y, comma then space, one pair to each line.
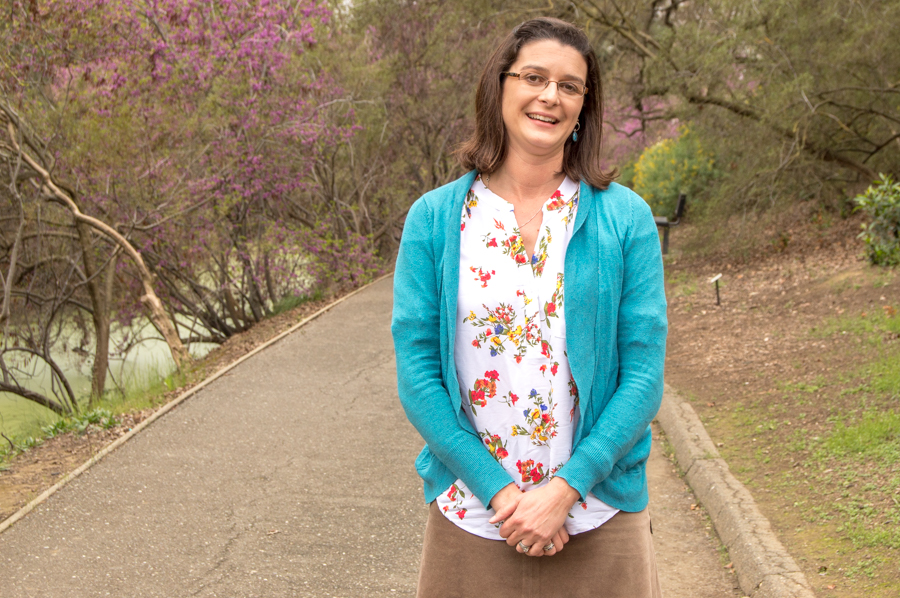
99, 313
52, 192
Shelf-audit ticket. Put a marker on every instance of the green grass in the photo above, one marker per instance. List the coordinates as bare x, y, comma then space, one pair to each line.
872, 326
682, 283
876, 435
883, 375
138, 393
290, 302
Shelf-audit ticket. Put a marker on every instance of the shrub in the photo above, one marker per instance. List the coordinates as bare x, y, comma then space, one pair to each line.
670, 167
881, 203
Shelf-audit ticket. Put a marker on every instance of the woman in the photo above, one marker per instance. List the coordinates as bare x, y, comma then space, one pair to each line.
529, 326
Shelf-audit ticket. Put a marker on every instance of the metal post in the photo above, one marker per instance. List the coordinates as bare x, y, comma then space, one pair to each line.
715, 279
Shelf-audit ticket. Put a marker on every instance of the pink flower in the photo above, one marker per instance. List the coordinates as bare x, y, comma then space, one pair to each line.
554, 368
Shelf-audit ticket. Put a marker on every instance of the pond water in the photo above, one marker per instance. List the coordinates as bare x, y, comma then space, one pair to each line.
146, 362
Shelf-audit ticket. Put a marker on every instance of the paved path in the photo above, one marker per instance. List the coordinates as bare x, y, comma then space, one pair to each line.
290, 476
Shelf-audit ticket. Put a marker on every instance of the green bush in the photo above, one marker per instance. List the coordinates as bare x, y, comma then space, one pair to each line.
881, 203
670, 167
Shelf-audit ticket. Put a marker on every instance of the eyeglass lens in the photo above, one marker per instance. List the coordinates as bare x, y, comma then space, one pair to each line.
566, 87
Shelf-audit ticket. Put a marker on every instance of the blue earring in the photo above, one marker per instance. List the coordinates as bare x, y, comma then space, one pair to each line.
575, 132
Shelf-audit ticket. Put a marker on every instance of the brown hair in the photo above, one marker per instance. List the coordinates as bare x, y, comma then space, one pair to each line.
485, 150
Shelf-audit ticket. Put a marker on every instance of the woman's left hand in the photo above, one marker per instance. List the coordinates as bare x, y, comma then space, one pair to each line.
538, 517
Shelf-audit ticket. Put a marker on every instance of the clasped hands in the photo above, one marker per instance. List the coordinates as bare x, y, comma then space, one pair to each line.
535, 518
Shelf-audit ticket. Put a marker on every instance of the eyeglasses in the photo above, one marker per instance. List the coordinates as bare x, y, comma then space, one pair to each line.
567, 88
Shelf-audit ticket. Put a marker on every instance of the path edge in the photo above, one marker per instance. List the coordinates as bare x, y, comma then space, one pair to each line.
12, 519
763, 566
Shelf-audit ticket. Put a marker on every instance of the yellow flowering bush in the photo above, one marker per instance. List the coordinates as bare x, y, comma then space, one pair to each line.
670, 167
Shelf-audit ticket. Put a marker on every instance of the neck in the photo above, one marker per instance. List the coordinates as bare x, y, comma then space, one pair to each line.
524, 179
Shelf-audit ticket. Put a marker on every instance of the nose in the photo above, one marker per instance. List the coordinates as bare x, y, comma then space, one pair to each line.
550, 94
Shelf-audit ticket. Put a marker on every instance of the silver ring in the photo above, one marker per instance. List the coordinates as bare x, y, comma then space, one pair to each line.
549, 547
524, 548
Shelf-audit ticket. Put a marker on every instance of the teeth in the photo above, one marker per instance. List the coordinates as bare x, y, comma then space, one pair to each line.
545, 119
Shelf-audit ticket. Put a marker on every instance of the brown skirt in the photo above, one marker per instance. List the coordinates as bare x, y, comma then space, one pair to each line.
616, 560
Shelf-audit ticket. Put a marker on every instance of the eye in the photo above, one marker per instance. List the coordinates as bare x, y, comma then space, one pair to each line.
533, 79
570, 87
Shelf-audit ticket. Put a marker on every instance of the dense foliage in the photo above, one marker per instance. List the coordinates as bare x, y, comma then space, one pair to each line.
881, 203
670, 167
796, 98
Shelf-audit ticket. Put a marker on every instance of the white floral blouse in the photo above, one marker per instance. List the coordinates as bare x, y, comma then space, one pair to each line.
511, 360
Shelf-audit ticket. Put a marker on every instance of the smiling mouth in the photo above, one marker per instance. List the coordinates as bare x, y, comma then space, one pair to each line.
543, 119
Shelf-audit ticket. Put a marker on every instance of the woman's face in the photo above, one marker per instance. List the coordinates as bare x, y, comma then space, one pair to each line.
538, 121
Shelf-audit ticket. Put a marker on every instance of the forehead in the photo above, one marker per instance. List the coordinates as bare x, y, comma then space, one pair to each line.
553, 57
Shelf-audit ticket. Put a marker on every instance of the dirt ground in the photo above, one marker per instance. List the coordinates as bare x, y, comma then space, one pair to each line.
772, 374
26, 475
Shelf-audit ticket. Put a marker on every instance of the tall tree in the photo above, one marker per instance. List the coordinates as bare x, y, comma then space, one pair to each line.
177, 134
801, 93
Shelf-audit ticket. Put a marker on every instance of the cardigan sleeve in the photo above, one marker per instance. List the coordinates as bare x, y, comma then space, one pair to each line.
641, 344
416, 328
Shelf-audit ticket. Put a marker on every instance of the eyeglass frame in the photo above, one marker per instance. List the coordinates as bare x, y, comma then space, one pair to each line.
549, 81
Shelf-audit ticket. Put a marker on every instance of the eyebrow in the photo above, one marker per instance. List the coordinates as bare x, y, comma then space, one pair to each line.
534, 67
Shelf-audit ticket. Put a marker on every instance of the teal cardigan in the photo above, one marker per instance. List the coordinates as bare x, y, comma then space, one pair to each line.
616, 339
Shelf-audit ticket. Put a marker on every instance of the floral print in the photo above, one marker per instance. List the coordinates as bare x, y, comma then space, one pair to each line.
559, 204
485, 388
539, 259
531, 472
540, 419
455, 498
515, 248
483, 276
471, 202
552, 307
512, 367
495, 445
499, 330
557, 201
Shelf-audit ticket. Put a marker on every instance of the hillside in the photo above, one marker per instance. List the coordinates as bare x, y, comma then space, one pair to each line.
796, 376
